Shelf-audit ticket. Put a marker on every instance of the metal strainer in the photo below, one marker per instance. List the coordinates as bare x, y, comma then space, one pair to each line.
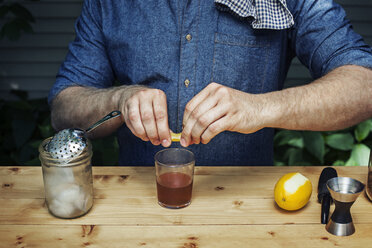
70, 143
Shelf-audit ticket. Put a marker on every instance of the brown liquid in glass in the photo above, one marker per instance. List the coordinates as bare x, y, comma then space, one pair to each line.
174, 189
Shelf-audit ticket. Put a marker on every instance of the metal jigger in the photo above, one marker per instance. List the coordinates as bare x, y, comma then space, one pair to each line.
344, 191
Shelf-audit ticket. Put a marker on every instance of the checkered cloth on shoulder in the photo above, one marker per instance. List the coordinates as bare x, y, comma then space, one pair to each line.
267, 14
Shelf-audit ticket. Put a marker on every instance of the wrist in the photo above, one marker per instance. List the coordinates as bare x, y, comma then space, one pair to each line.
122, 93
270, 110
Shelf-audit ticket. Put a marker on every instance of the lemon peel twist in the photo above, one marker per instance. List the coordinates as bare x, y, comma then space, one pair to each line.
175, 137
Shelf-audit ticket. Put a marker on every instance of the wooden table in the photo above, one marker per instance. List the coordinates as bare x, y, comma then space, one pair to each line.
231, 207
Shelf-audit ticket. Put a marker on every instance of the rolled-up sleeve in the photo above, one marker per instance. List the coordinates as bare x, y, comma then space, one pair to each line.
86, 63
323, 38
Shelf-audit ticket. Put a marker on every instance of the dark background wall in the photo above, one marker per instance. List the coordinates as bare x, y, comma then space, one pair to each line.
32, 62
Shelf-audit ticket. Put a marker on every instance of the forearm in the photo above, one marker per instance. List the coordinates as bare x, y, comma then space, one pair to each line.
80, 107
338, 100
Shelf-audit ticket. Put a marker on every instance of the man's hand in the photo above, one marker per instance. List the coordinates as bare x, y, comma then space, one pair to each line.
218, 108
340, 99
145, 114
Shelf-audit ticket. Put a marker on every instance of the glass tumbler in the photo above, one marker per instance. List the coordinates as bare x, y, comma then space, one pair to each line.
174, 177
68, 185
369, 179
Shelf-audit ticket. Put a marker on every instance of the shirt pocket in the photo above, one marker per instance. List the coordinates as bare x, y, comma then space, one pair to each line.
240, 62
241, 55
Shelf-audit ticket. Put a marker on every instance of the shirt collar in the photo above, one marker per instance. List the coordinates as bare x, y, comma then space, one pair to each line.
267, 14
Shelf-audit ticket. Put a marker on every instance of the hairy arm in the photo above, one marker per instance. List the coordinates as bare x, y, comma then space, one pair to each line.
144, 111
338, 100
80, 107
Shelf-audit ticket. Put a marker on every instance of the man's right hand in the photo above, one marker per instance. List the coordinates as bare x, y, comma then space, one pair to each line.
145, 114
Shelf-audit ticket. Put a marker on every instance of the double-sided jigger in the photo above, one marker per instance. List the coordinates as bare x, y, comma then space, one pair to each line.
344, 191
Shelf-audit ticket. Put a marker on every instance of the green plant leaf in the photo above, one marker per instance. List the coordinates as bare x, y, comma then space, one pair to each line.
33, 162
340, 141
278, 163
105, 151
35, 144
21, 94
46, 130
279, 152
21, 12
23, 125
359, 155
287, 137
3, 10
12, 29
362, 130
293, 156
20, 105
314, 144
27, 153
339, 163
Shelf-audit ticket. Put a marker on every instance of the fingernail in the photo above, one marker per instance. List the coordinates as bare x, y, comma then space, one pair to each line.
183, 142
165, 143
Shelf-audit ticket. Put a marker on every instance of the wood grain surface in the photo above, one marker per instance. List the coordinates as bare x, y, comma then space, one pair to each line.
231, 207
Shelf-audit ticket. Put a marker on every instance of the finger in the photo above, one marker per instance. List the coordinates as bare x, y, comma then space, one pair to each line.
131, 128
186, 132
214, 129
148, 120
197, 118
161, 118
129, 125
196, 100
204, 121
133, 120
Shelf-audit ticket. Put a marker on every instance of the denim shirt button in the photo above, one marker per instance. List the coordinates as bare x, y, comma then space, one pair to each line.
188, 37
187, 82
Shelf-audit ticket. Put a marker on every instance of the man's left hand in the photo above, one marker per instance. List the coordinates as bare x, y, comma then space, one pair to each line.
218, 108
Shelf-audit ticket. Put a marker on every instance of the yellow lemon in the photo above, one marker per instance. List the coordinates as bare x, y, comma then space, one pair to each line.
292, 191
175, 137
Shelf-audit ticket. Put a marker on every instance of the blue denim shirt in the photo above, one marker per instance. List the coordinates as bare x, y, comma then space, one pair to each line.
144, 42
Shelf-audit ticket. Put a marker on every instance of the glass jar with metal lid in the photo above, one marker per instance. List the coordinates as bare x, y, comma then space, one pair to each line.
68, 184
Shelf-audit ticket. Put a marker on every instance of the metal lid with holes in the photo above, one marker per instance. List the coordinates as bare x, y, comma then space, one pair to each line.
67, 144
59, 159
